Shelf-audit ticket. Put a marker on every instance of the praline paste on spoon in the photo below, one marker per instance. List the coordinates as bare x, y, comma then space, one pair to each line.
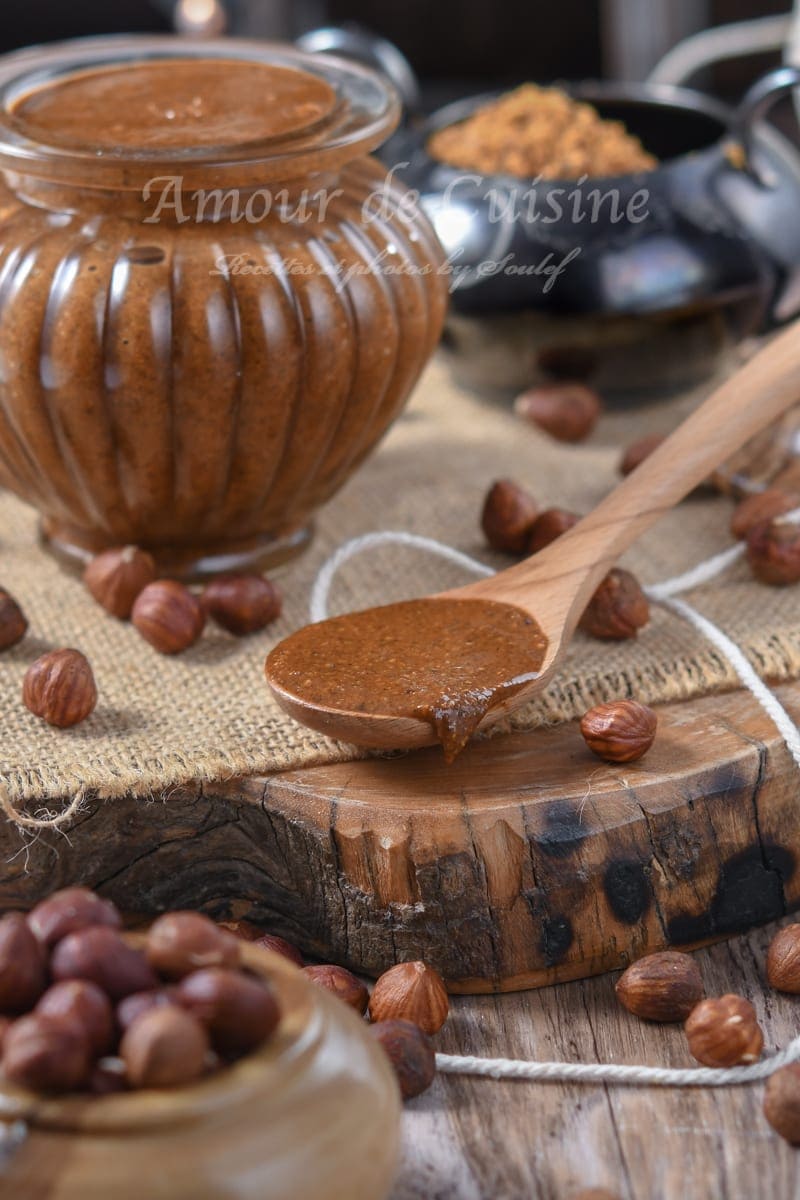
442, 660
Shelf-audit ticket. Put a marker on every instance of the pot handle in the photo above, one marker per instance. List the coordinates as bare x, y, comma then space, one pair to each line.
354, 41
754, 107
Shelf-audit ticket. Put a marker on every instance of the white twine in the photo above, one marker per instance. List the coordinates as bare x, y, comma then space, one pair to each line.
318, 602
748, 677
663, 594
514, 1068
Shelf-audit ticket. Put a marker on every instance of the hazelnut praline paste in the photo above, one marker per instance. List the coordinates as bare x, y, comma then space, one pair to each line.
442, 660
173, 103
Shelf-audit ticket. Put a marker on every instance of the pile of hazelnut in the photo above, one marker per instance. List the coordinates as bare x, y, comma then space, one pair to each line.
772, 544
721, 1031
513, 523
60, 687
81, 1009
409, 1004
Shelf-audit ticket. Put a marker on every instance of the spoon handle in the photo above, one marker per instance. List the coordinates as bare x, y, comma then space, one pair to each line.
756, 395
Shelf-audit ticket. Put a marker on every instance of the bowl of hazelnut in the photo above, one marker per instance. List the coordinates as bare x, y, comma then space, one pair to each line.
181, 1061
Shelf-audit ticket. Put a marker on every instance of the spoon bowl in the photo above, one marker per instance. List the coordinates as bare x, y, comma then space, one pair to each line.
550, 590
380, 732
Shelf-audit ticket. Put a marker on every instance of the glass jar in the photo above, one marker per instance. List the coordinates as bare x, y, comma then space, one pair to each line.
213, 302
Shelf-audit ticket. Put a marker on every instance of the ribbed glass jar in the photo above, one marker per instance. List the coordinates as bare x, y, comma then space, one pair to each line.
199, 342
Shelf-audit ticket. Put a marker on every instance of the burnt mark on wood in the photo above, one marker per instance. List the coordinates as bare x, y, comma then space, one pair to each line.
627, 890
557, 933
563, 830
557, 937
749, 892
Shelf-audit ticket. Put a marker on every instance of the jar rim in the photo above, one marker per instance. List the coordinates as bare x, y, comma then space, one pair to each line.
365, 112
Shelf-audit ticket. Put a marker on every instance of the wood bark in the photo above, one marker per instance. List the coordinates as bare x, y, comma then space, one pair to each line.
527, 862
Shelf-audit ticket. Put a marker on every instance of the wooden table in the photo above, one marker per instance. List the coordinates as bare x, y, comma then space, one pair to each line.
477, 1139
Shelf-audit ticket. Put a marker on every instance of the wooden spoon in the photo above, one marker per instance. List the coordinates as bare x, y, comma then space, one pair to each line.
555, 585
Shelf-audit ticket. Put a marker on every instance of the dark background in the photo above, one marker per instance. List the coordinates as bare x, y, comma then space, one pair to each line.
456, 46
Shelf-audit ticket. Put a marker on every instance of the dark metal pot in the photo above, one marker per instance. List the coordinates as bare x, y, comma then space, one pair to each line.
649, 302
638, 282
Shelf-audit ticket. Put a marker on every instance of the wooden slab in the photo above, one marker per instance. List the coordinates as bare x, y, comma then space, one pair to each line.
526, 862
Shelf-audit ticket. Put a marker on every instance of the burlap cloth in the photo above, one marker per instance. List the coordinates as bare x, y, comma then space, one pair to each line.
207, 714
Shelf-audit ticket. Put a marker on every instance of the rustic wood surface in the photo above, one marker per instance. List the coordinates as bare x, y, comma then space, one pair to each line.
527, 861
478, 1139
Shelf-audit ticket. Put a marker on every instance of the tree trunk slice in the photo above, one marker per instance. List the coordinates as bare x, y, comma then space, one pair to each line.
527, 862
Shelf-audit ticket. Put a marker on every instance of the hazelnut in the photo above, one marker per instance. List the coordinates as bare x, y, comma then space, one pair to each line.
242, 604
783, 960
567, 411
723, 1032
508, 514
59, 687
618, 608
661, 987
46, 1054
411, 992
13, 625
23, 975
548, 526
619, 732
85, 1005
410, 1052
638, 451
181, 942
70, 909
141, 1002
239, 1011
782, 1102
279, 946
341, 982
168, 616
164, 1047
763, 506
116, 577
773, 552
100, 955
